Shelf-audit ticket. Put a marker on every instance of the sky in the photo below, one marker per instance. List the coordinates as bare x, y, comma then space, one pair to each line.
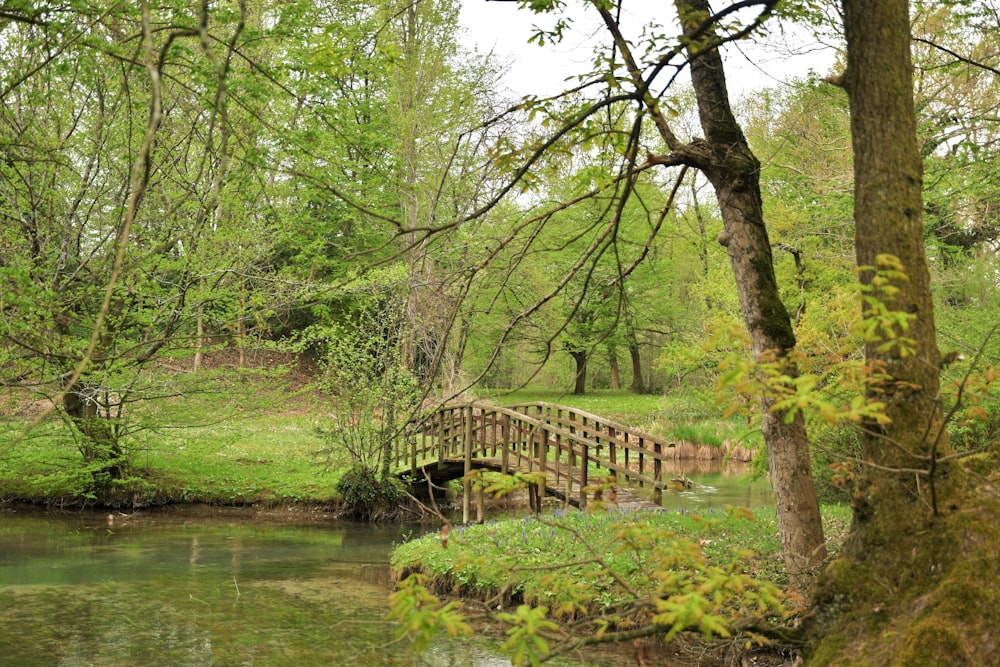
505, 29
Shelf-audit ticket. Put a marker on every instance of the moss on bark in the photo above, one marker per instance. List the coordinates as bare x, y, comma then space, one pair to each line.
924, 593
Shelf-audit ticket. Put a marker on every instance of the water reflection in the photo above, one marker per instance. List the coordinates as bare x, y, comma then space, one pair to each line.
160, 588
714, 485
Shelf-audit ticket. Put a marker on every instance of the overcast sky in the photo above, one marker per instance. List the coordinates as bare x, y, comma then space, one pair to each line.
505, 29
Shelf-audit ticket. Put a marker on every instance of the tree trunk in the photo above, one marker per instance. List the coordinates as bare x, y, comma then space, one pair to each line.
727, 161
100, 439
241, 327
638, 385
199, 340
580, 383
616, 380
917, 583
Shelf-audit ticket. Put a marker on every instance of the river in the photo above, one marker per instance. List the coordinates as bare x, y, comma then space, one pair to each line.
211, 586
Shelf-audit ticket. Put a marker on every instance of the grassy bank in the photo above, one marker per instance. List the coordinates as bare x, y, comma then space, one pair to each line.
594, 563
212, 450
244, 442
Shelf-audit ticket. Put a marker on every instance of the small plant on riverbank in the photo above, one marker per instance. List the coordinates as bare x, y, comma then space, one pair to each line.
372, 389
368, 496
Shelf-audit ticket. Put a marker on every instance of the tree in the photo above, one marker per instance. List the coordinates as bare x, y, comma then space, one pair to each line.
100, 264
726, 160
917, 583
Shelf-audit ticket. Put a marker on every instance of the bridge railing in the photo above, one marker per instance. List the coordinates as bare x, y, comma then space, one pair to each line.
563, 442
631, 454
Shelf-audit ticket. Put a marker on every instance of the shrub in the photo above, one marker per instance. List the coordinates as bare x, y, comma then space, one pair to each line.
366, 496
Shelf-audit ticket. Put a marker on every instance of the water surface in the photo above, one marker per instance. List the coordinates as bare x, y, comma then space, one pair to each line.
208, 586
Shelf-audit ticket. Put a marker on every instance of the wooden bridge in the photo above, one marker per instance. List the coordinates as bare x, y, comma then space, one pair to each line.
569, 446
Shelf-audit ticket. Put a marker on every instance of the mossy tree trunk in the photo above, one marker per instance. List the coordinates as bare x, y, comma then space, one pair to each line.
100, 443
918, 581
724, 156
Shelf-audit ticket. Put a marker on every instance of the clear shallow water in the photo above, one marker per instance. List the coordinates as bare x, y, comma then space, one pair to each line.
202, 586
159, 588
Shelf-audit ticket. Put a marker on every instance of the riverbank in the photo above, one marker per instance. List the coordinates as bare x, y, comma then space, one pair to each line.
237, 447
609, 573
225, 453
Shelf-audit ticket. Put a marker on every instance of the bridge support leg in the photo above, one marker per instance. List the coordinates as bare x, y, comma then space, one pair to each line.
442, 455
534, 501
480, 503
658, 474
543, 463
467, 445
505, 437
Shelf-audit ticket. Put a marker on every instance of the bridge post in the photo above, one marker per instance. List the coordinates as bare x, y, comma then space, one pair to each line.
584, 465
612, 456
571, 454
495, 425
625, 450
543, 457
482, 433
572, 430
642, 461
505, 451
440, 432
467, 444
558, 450
569, 468
658, 474
481, 501
413, 451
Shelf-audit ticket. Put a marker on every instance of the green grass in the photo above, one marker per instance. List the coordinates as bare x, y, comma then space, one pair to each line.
265, 459
202, 449
520, 555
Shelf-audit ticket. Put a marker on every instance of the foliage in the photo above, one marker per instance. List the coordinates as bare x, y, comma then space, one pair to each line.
525, 642
367, 495
843, 395
422, 615
371, 390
